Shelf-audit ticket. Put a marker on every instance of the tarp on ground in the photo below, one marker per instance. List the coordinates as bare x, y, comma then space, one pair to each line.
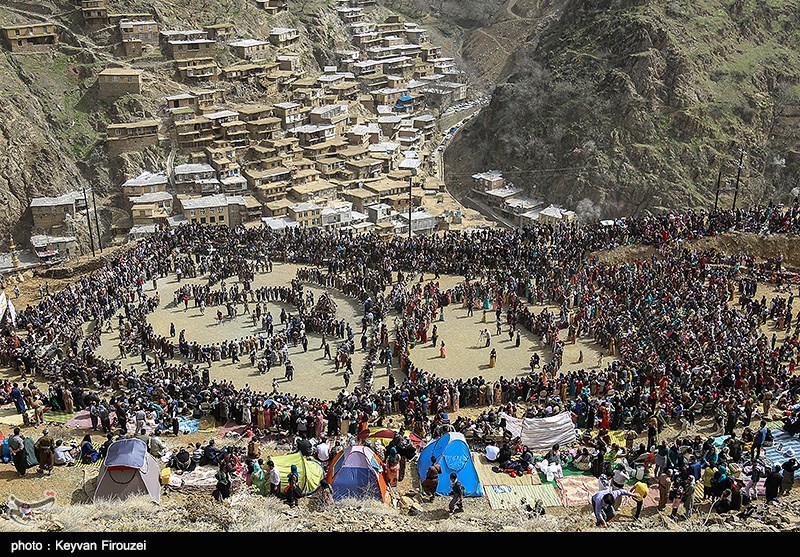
540, 434
232, 427
81, 420
200, 480
785, 446
577, 491
452, 454
507, 497
309, 471
385, 435
188, 425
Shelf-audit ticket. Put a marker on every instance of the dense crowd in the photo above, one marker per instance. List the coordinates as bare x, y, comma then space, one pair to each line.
684, 345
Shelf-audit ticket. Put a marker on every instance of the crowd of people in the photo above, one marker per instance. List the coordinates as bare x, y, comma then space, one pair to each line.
682, 344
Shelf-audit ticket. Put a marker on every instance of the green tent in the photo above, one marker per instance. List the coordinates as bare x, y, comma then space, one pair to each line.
309, 471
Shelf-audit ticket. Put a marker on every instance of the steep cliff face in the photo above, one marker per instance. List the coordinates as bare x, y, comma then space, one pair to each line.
635, 104
40, 143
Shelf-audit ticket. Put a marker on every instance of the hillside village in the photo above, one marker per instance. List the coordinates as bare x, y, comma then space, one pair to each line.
265, 139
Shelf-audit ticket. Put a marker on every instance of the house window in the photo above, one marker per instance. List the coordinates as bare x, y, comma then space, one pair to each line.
221, 218
202, 212
212, 219
191, 212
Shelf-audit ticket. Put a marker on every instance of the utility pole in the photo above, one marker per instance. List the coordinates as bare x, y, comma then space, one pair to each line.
738, 175
96, 222
410, 178
716, 196
88, 221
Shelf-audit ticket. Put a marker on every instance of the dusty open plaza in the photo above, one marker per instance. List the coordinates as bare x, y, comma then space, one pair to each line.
315, 376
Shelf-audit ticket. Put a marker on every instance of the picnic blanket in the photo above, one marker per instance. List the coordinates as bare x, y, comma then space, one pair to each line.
783, 442
487, 476
81, 420
617, 436
577, 491
188, 425
567, 471
232, 427
719, 442
57, 416
650, 500
509, 497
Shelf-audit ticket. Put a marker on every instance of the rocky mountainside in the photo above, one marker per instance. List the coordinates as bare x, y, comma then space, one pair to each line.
53, 124
618, 106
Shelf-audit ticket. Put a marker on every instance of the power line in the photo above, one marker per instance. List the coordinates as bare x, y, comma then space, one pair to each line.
540, 171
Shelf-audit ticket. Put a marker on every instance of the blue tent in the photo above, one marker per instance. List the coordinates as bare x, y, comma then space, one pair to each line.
452, 454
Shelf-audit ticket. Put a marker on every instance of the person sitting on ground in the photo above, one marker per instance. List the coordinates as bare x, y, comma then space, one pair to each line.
157, 446
106, 444
197, 455
63, 454
492, 452
504, 456
724, 503
583, 461
322, 452
211, 454
182, 461
88, 453
322, 499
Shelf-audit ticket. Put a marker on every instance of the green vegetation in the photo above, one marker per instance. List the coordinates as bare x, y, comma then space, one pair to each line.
661, 90
56, 84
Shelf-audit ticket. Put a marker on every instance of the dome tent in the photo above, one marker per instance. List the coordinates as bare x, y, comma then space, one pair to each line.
309, 471
357, 472
128, 470
452, 454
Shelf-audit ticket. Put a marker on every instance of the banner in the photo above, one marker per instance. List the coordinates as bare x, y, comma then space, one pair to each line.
12, 313
540, 434
3, 305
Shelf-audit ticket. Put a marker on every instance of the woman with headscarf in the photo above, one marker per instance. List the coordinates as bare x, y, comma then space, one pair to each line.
88, 453
772, 484
246, 417
259, 477
788, 469
69, 407
223, 477
322, 500
293, 489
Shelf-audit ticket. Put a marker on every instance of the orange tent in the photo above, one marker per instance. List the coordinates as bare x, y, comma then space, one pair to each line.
357, 472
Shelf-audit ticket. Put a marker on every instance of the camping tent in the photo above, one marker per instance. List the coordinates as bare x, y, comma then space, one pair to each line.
356, 472
128, 470
452, 454
540, 434
309, 471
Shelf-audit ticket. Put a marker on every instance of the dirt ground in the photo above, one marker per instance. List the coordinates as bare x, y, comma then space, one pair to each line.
314, 375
